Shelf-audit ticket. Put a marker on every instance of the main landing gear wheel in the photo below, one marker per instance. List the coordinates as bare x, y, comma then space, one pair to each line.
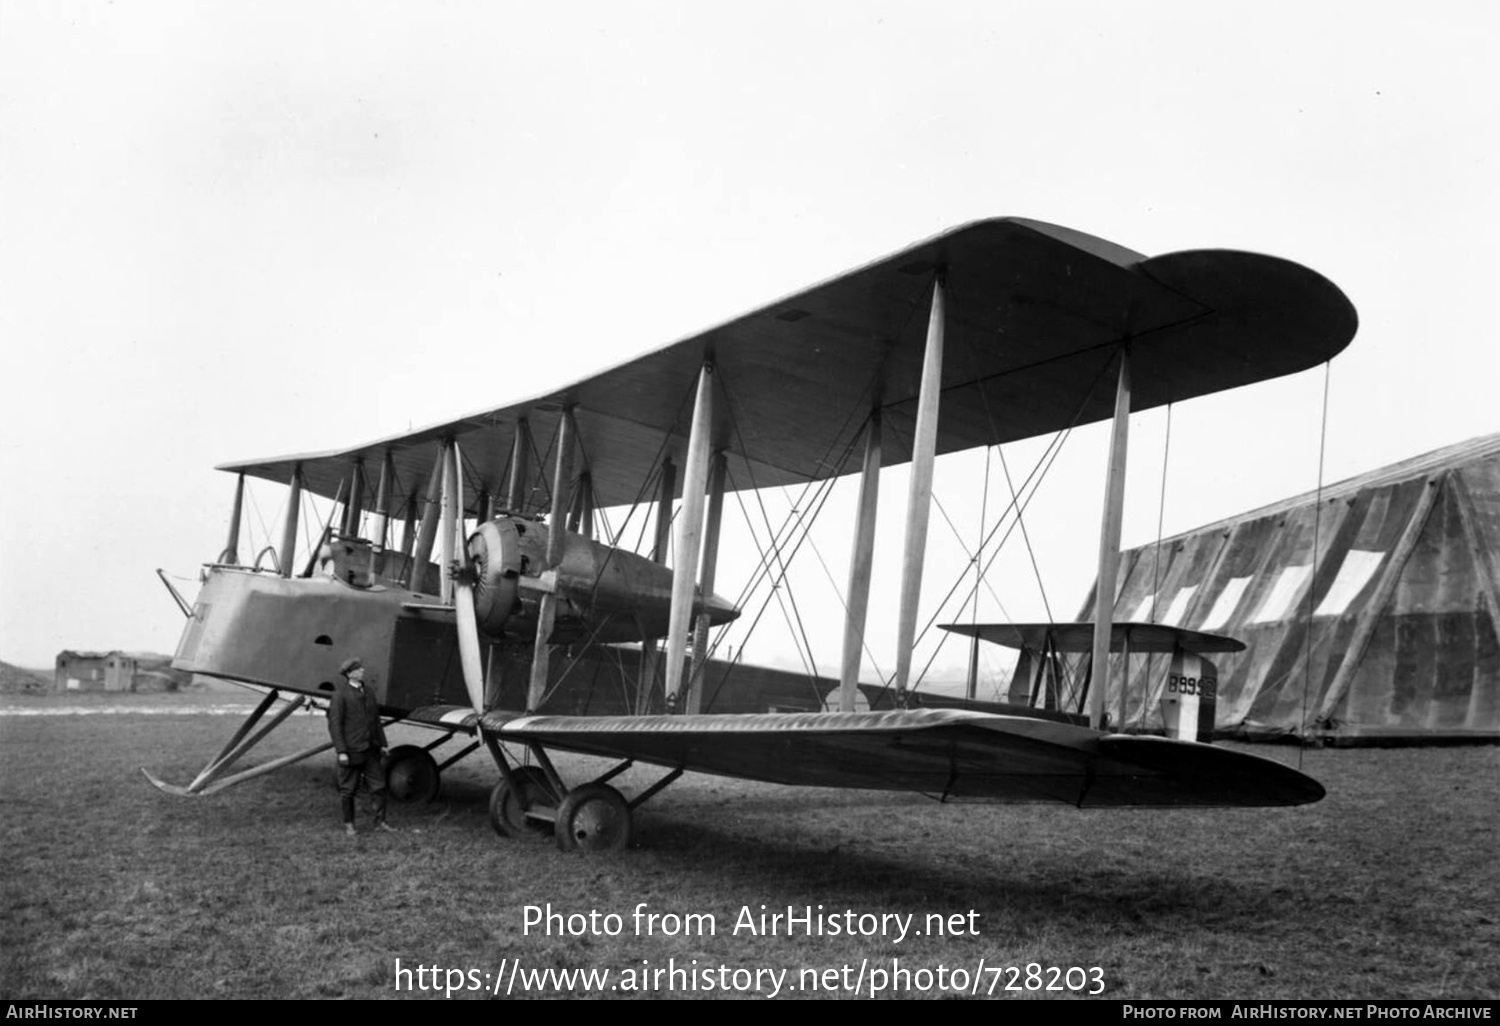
593, 817
508, 808
411, 775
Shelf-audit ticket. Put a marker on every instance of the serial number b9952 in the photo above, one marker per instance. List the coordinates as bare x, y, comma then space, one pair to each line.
1177, 684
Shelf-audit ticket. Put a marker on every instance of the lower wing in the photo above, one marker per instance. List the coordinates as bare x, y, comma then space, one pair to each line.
951, 754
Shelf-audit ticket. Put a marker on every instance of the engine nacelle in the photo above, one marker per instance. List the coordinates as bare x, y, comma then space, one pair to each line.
604, 593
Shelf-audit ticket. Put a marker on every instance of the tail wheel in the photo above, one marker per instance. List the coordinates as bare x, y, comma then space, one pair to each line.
593, 817
508, 806
411, 775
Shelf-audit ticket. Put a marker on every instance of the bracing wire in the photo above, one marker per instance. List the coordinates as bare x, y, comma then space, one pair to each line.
1026, 537
308, 512
649, 484
776, 552
1017, 506
473, 483
989, 415
970, 559
984, 516
814, 491
1161, 512
255, 508
1048, 456
1317, 518
539, 460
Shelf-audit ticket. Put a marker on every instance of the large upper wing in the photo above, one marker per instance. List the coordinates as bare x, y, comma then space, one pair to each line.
1035, 314
947, 753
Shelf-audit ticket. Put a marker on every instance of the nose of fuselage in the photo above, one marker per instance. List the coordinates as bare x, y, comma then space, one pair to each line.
719, 609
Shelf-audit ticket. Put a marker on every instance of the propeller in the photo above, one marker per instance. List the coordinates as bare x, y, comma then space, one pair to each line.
463, 596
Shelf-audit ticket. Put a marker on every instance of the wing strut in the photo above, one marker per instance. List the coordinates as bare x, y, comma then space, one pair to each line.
919, 496
1109, 545
380, 529
556, 534
289, 523
515, 491
421, 556
231, 553
581, 509
689, 534
650, 645
717, 471
409, 527
354, 507
860, 564
447, 517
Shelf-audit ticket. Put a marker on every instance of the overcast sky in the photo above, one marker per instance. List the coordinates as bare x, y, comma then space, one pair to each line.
243, 230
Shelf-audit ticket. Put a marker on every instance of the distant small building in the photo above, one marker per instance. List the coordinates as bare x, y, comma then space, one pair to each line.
80, 671
116, 671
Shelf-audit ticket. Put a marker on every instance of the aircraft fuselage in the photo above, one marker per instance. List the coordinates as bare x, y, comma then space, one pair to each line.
261, 628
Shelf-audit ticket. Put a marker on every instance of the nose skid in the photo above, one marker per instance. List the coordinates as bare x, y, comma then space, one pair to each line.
213, 779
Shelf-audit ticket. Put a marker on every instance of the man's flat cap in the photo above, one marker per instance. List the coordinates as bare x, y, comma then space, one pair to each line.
350, 665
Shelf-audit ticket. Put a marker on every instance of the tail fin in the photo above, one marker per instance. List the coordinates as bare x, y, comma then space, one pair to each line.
1188, 699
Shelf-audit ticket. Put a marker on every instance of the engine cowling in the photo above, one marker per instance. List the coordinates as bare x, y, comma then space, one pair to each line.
496, 558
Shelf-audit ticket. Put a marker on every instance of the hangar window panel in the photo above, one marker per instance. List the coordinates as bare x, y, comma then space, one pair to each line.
1358, 567
1224, 607
1283, 594
1179, 605
1142, 612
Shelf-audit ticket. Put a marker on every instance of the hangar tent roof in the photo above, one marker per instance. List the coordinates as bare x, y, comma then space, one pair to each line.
1368, 609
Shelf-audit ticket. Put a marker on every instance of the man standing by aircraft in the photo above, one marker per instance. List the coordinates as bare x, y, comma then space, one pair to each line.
354, 726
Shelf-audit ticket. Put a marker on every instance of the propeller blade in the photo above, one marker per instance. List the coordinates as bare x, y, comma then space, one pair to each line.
468, 645
463, 597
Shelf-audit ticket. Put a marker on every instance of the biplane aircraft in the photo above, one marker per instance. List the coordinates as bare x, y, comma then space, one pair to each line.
995, 331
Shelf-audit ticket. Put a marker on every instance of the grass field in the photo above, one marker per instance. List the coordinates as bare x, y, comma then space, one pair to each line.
1386, 889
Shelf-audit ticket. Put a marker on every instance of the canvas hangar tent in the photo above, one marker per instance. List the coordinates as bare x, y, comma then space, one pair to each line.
1369, 609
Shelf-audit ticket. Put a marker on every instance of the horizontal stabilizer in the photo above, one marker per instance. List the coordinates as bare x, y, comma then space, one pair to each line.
1142, 638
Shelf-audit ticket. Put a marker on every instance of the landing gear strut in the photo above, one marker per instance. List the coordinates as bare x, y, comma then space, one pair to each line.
533, 800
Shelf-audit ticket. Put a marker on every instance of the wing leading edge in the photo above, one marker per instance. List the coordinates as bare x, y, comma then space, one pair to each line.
947, 753
1036, 313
